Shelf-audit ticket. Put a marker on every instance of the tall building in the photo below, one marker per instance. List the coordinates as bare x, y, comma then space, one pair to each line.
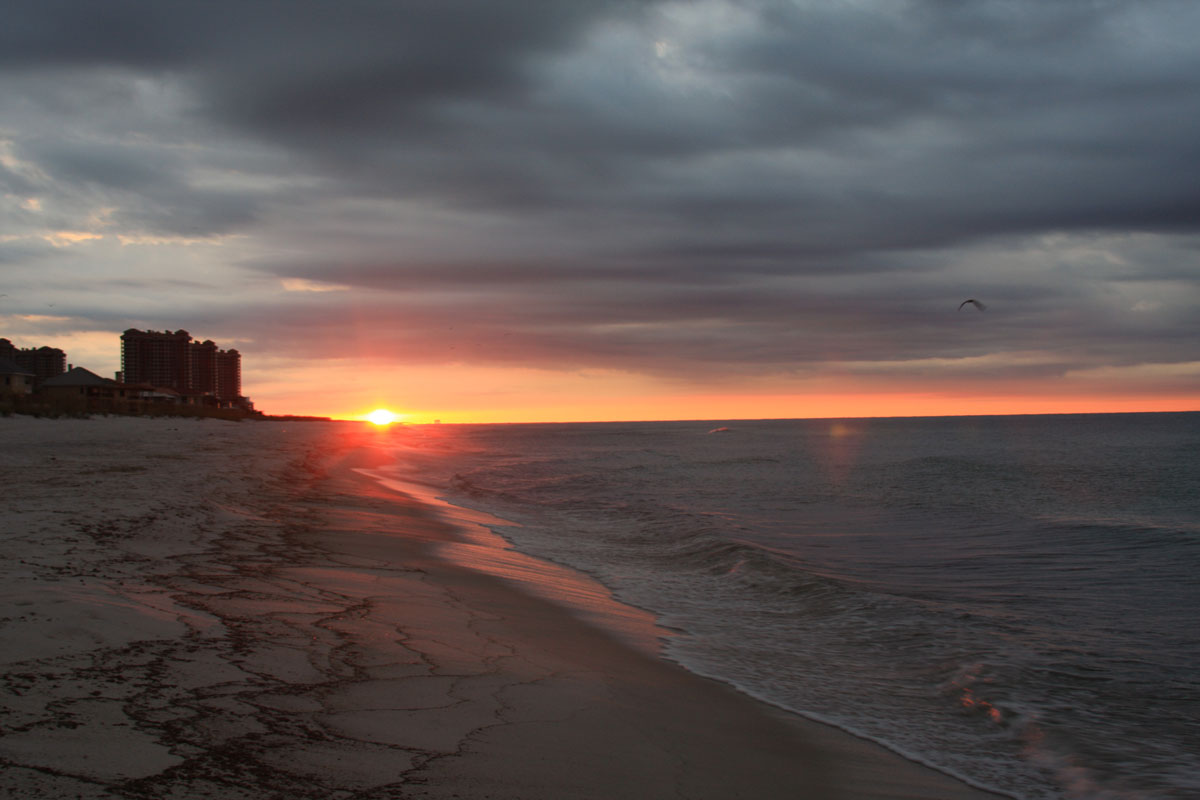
40, 362
215, 371
229, 375
175, 361
157, 358
204, 366
43, 362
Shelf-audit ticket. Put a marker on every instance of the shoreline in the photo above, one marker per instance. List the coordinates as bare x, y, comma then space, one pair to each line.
233, 612
867, 769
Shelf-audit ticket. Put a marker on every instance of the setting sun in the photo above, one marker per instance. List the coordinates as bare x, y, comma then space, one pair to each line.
381, 416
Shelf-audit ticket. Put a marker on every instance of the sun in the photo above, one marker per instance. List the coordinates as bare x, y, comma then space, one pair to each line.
381, 416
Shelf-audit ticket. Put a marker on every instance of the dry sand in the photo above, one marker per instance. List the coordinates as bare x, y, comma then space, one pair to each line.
205, 609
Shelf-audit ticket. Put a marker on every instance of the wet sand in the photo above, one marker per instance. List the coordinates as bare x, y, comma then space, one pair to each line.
203, 609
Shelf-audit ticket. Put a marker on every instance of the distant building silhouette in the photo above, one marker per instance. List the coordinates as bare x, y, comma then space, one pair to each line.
174, 361
162, 373
40, 362
159, 358
229, 375
204, 366
215, 371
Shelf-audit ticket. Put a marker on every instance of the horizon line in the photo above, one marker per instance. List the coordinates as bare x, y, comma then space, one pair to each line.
775, 419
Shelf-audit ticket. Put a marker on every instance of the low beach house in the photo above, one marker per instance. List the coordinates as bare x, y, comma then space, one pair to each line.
78, 390
15, 380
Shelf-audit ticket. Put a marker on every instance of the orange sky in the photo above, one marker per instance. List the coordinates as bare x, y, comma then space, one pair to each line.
731, 407
461, 394
466, 393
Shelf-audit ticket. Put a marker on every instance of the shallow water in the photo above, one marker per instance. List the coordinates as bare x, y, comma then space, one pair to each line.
1010, 599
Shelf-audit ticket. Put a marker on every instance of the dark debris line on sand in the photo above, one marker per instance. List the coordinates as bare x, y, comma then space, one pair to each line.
274, 670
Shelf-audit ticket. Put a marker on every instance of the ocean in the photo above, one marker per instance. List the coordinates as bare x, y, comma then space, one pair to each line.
1011, 600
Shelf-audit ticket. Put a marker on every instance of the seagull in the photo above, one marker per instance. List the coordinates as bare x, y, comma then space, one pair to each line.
974, 302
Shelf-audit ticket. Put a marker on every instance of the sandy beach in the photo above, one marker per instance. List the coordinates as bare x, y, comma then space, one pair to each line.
208, 609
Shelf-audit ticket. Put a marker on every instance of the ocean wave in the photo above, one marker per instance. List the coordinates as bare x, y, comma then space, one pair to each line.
1015, 608
756, 569
1125, 534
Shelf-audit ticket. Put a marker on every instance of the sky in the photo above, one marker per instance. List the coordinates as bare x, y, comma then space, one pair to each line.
590, 210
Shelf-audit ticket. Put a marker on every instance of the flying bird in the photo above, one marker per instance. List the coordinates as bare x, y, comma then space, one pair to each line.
974, 302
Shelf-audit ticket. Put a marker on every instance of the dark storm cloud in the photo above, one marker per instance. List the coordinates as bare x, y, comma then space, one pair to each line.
150, 34
649, 184
302, 64
105, 165
1053, 116
344, 83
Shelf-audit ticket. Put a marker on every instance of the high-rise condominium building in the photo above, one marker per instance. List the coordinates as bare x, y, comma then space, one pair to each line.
228, 385
204, 366
215, 371
159, 358
41, 362
175, 361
